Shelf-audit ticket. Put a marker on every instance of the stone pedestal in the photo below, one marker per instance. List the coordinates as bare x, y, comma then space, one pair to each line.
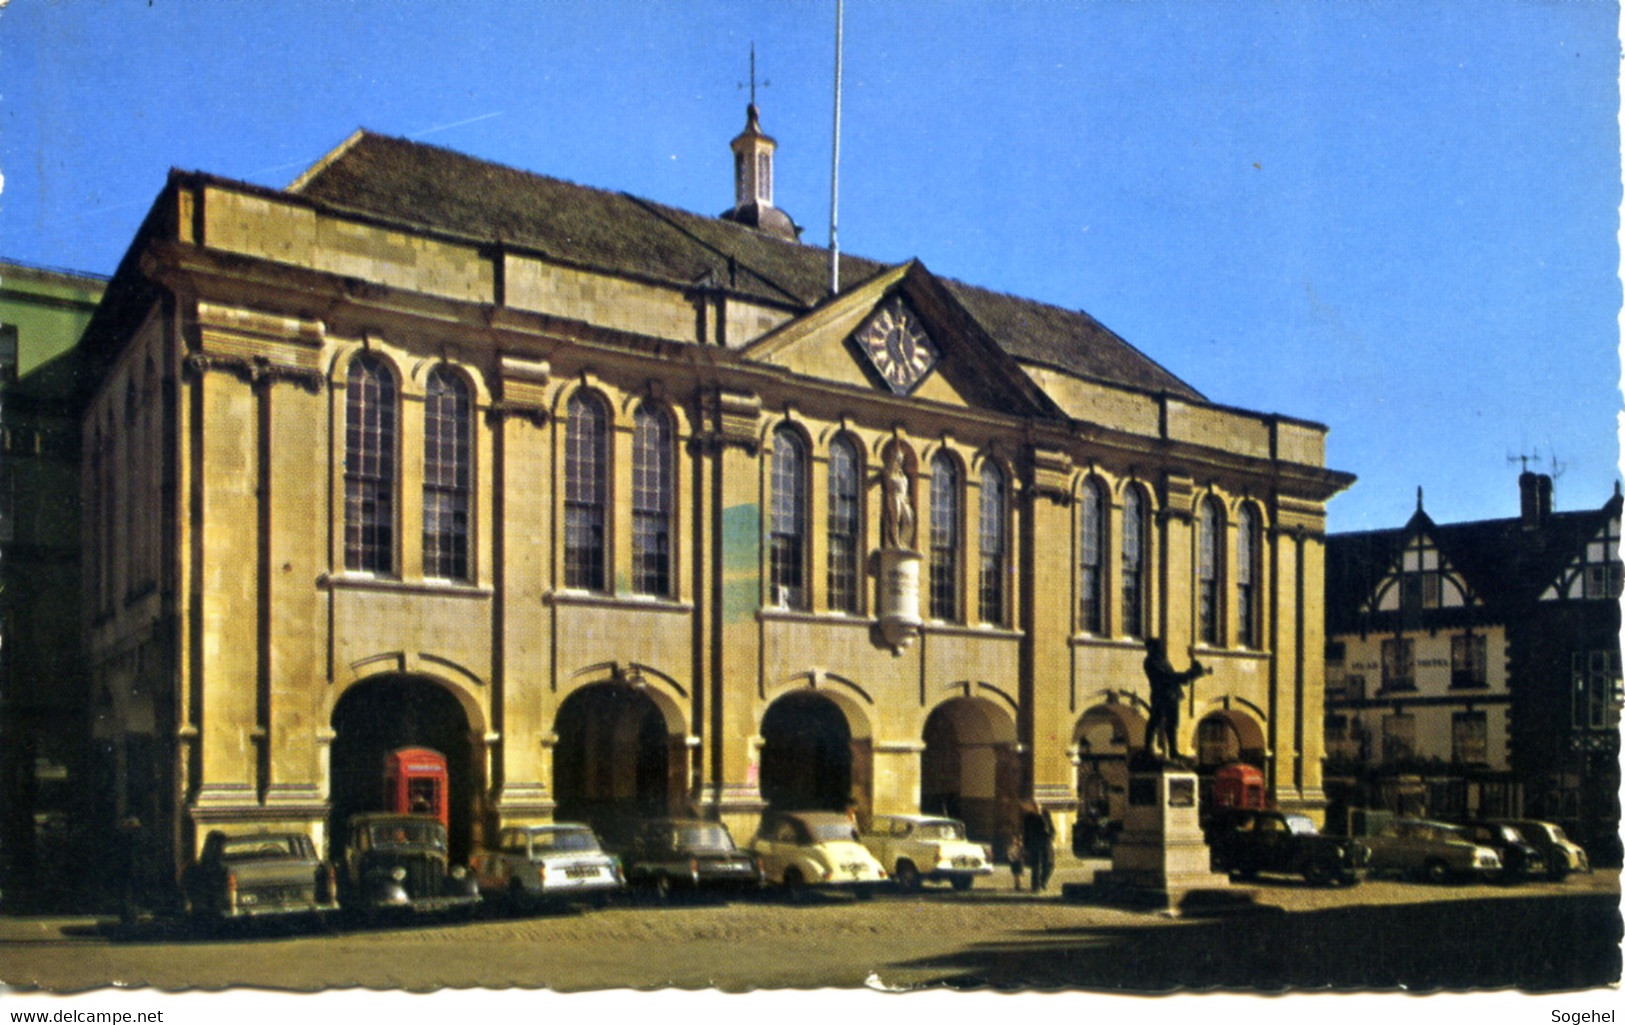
899, 605
1160, 859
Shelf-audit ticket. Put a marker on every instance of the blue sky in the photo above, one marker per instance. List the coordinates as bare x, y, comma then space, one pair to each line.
1395, 218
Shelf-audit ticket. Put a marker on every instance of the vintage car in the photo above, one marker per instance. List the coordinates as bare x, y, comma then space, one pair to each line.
919, 848
801, 849
258, 874
1561, 854
1520, 859
687, 854
558, 863
400, 862
1246, 842
1434, 851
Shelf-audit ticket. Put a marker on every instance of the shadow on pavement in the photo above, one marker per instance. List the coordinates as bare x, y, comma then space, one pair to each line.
1536, 944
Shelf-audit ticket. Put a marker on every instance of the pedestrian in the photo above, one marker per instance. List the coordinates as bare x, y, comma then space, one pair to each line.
1038, 841
1013, 854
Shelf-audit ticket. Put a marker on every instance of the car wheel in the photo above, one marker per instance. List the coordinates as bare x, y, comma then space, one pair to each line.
1318, 873
1557, 873
663, 889
794, 886
908, 877
963, 883
1436, 871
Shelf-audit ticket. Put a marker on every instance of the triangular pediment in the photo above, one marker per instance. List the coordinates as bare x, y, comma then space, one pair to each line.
902, 333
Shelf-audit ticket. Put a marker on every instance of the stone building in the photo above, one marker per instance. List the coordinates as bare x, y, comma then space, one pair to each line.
617, 508
43, 684
1473, 668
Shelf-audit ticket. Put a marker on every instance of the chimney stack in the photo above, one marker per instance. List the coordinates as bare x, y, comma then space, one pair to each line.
1535, 499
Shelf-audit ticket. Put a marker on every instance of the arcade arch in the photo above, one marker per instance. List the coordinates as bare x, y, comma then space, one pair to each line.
1227, 735
1103, 739
621, 755
816, 754
382, 714
970, 768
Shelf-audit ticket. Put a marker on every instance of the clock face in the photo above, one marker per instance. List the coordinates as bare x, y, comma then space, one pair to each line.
898, 346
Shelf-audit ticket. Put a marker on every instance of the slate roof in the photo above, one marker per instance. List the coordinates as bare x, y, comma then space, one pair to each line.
441, 189
1504, 563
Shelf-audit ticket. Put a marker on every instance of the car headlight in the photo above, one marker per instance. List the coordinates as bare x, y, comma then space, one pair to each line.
458, 872
398, 873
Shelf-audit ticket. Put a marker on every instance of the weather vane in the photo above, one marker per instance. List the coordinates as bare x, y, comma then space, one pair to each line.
765, 82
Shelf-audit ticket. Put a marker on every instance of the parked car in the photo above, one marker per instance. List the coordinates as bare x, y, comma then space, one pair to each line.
1520, 859
815, 848
1561, 854
264, 873
688, 854
921, 848
399, 862
562, 862
1433, 851
1246, 842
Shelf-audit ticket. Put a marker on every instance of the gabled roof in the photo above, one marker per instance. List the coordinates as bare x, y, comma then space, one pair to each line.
440, 189
1502, 561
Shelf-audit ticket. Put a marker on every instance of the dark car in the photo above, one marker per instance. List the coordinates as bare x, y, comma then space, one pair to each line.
1520, 859
399, 862
1247, 842
260, 874
688, 854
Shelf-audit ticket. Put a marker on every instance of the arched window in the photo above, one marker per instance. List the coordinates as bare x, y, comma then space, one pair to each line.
993, 547
1135, 544
446, 475
1210, 573
787, 541
845, 532
1249, 570
944, 538
369, 467
586, 478
1091, 551
651, 502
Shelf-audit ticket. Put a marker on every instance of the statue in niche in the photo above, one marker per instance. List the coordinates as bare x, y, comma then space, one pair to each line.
897, 523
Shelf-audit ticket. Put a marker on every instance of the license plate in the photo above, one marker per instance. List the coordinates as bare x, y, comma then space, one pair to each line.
580, 872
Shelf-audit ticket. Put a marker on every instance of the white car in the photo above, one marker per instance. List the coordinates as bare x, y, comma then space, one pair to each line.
916, 848
1562, 854
815, 848
560, 862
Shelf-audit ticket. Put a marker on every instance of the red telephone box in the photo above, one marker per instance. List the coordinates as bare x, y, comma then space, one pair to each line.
1238, 785
415, 781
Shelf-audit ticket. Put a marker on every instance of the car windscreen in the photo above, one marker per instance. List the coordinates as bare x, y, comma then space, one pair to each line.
825, 832
421, 834
253, 848
547, 840
939, 831
1301, 825
707, 838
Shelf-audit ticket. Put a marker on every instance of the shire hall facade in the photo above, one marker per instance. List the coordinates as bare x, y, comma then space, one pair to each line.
616, 507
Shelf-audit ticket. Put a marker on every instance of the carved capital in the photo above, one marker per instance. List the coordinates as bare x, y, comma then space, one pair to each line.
1051, 475
732, 418
502, 409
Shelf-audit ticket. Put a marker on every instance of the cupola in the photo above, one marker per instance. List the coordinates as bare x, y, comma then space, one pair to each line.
753, 182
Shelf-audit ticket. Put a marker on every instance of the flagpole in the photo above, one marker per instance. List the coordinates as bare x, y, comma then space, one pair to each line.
835, 168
